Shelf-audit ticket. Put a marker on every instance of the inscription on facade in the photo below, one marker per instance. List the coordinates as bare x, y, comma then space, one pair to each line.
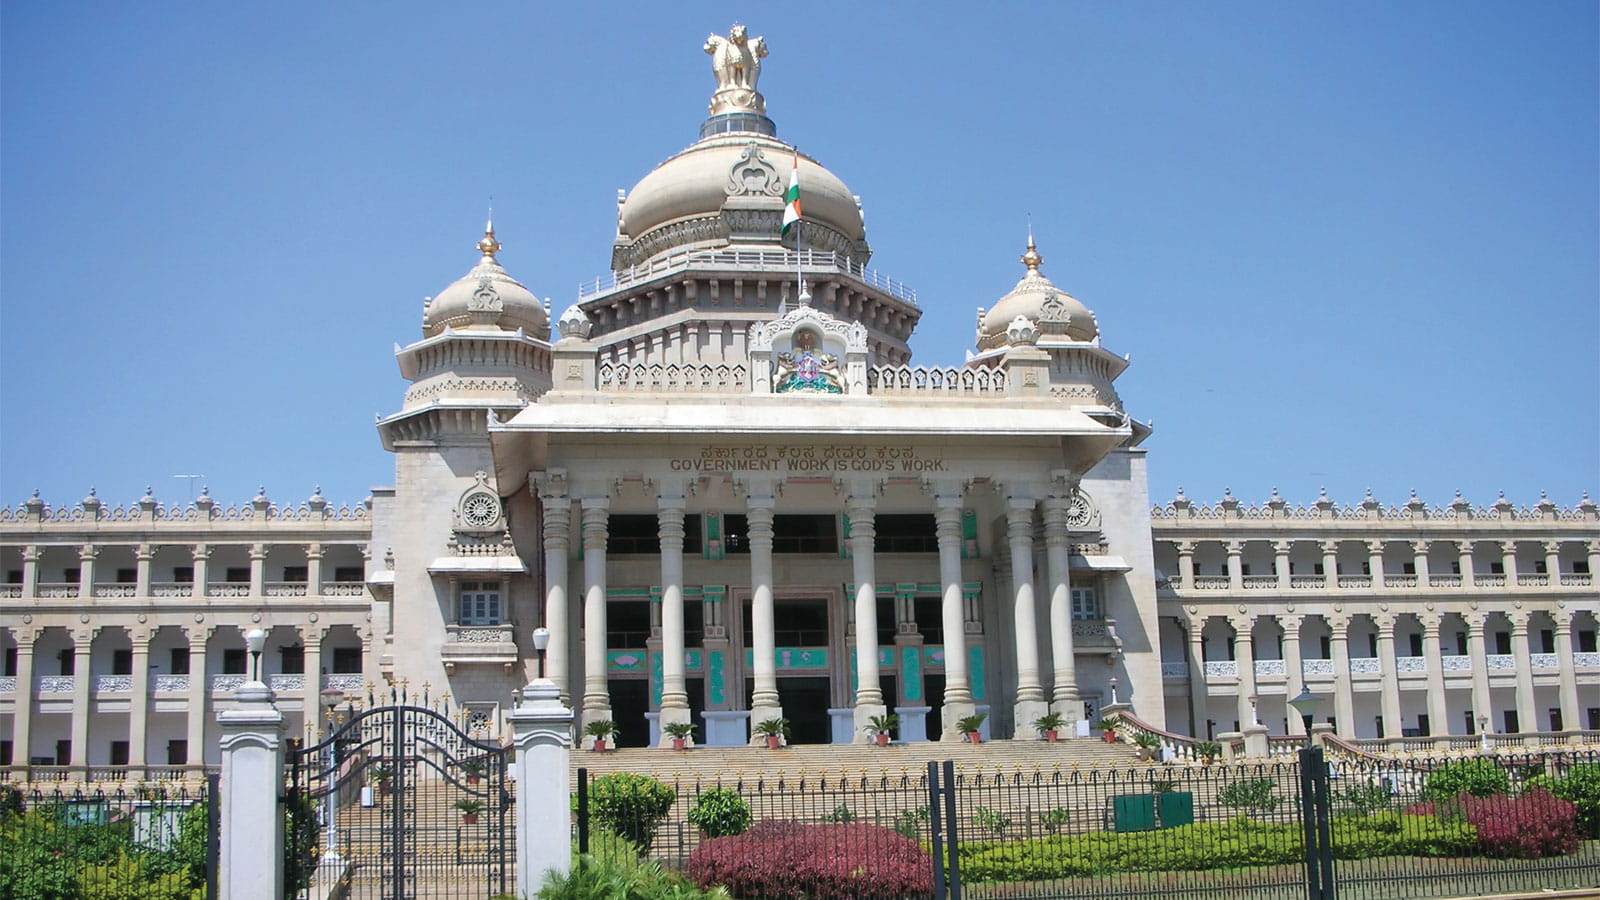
807, 458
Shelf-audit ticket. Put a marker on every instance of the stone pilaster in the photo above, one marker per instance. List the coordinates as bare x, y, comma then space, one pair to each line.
251, 856
541, 733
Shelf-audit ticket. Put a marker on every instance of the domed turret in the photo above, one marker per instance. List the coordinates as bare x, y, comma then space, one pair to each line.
486, 297
1056, 313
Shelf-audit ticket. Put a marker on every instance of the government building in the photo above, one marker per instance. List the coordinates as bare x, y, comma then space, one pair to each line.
720, 483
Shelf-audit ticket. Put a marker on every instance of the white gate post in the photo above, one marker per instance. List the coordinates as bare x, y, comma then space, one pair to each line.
251, 857
541, 729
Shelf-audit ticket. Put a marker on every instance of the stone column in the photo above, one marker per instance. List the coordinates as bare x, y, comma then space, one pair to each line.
1344, 704
1375, 562
1280, 563
674, 690
1235, 551
764, 702
1245, 659
1568, 691
957, 688
1552, 567
1481, 703
86, 556
1199, 691
1065, 699
1185, 565
1389, 687
314, 554
862, 504
1508, 564
1294, 673
1592, 549
1527, 712
139, 715
82, 681
596, 693
311, 637
541, 729
199, 695
1030, 702
258, 571
1330, 564
202, 570
30, 571
1432, 652
1419, 561
251, 856
22, 719
1469, 578
142, 555
557, 518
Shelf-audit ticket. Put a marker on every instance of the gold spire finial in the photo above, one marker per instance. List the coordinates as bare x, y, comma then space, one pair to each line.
1032, 259
489, 246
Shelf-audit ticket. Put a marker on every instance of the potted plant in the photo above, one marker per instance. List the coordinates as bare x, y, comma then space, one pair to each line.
1049, 725
1149, 745
1107, 729
970, 725
680, 732
473, 769
600, 730
774, 730
381, 775
1208, 751
881, 726
469, 807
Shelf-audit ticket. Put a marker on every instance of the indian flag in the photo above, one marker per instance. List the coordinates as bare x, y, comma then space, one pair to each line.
791, 199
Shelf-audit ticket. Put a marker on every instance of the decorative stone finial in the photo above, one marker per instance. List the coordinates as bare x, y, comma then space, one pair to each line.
736, 64
1022, 332
575, 323
488, 246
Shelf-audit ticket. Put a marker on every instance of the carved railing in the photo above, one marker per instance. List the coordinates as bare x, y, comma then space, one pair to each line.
315, 510
344, 589
1172, 746
1324, 508
747, 260
171, 684
285, 588
710, 378
891, 380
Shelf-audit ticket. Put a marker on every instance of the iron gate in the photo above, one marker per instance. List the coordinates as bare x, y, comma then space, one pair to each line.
399, 802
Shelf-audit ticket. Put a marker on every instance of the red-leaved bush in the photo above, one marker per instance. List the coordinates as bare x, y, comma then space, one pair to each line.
781, 860
1528, 826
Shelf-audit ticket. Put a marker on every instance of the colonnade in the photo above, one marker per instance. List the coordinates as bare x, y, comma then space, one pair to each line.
1337, 666
760, 502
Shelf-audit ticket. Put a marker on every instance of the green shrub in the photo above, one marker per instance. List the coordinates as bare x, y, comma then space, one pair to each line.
1365, 799
630, 805
909, 822
841, 815
1581, 788
1054, 820
596, 879
990, 820
127, 877
720, 812
1252, 793
1478, 777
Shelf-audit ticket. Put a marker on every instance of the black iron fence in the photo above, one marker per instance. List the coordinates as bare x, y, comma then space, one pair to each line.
158, 843
1299, 827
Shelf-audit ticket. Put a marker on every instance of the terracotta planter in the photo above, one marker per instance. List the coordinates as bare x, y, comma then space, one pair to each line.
882, 739
678, 743
473, 779
1110, 737
974, 737
599, 745
469, 818
1050, 736
774, 742
384, 787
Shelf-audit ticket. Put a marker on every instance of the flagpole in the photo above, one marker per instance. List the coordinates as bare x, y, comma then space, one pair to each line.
799, 239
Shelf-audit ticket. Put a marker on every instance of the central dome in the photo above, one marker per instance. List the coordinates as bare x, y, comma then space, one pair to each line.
727, 190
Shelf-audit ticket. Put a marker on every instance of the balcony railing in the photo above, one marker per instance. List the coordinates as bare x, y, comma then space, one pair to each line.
1211, 582
55, 684
1355, 581
1260, 582
1400, 581
1307, 582
116, 590
1268, 668
1317, 666
1365, 665
1177, 669
171, 684
1455, 664
1410, 664
1576, 579
1544, 661
171, 589
1444, 580
1586, 660
285, 588
8, 684
1500, 662
113, 684
751, 260
57, 590
1222, 668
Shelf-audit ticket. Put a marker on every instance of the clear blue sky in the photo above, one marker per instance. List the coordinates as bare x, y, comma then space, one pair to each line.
1350, 244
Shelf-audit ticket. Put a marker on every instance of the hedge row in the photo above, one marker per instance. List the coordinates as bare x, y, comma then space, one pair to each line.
1238, 842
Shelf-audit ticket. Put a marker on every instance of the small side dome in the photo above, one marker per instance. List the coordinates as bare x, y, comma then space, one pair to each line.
1055, 312
486, 297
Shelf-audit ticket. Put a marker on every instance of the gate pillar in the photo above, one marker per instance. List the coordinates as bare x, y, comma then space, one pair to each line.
541, 730
251, 853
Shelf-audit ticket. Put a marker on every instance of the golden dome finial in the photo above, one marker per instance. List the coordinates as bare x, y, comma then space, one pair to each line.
489, 246
1031, 258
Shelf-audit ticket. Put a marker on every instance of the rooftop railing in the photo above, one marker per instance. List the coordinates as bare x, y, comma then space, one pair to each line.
810, 261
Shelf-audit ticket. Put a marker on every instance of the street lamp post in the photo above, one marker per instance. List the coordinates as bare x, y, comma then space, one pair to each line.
1483, 734
256, 640
1306, 705
331, 698
541, 640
